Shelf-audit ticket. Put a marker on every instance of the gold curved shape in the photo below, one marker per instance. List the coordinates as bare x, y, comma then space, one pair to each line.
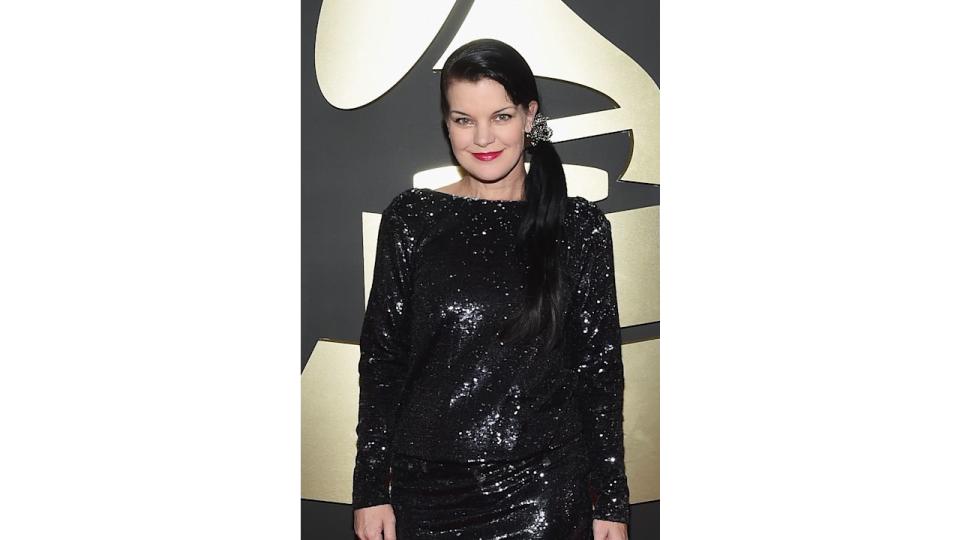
636, 264
560, 45
329, 393
363, 48
641, 419
370, 223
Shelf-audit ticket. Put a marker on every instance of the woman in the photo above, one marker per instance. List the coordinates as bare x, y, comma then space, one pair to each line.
491, 382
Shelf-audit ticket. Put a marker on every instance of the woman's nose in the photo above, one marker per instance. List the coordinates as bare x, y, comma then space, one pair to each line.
483, 135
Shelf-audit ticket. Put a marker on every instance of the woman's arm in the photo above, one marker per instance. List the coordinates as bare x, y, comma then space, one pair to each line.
597, 324
383, 359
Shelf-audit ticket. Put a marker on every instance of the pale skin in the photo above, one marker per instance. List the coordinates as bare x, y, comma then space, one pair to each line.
482, 119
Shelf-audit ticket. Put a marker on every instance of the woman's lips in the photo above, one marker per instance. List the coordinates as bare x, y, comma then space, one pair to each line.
486, 156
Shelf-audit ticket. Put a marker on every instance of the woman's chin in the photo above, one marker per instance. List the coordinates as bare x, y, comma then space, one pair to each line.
485, 176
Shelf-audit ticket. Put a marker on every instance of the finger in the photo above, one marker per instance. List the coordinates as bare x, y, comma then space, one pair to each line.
358, 527
372, 533
390, 530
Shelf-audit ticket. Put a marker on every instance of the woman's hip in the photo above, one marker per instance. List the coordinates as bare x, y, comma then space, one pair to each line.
539, 496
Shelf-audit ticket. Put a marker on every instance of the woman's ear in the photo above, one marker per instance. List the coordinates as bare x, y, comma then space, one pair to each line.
531, 110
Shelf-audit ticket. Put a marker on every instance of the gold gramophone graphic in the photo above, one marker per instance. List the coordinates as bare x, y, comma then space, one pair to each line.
560, 46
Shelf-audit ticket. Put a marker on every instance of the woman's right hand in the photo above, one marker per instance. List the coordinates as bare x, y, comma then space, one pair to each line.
375, 523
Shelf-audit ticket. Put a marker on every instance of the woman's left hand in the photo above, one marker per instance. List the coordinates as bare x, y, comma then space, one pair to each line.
609, 530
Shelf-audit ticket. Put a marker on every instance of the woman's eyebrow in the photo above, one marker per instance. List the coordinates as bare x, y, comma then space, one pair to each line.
494, 112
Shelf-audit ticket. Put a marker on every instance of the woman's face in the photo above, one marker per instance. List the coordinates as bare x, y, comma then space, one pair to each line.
487, 129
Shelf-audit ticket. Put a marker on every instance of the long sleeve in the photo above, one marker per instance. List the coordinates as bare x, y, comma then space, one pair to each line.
597, 327
383, 359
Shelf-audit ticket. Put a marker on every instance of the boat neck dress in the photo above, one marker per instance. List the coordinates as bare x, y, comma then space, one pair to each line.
468, 436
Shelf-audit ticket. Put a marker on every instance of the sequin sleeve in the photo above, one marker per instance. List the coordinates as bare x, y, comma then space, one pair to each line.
601, 372
383, 359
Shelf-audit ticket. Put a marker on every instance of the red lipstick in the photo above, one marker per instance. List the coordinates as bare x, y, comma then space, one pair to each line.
487, 156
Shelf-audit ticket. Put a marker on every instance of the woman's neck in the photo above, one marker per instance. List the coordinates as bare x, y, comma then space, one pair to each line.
502, 190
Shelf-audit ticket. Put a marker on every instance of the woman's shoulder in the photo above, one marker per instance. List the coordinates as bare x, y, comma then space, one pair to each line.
414, 208
406, 204
404, 197
584, 213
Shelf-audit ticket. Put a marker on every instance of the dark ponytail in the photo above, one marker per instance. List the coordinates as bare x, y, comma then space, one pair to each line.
538, 235
545, 189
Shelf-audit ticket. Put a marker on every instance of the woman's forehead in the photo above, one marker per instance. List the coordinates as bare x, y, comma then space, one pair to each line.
483, 94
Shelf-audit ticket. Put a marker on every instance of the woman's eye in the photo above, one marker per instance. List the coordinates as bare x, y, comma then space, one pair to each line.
463, 120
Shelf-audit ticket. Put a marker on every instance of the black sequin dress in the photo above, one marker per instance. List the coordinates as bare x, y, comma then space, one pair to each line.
463, 435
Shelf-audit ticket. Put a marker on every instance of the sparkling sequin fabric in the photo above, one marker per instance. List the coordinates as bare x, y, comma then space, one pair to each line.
544, 496
502, 427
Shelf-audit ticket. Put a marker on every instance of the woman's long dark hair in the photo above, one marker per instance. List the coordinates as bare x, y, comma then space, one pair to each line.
545, 190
